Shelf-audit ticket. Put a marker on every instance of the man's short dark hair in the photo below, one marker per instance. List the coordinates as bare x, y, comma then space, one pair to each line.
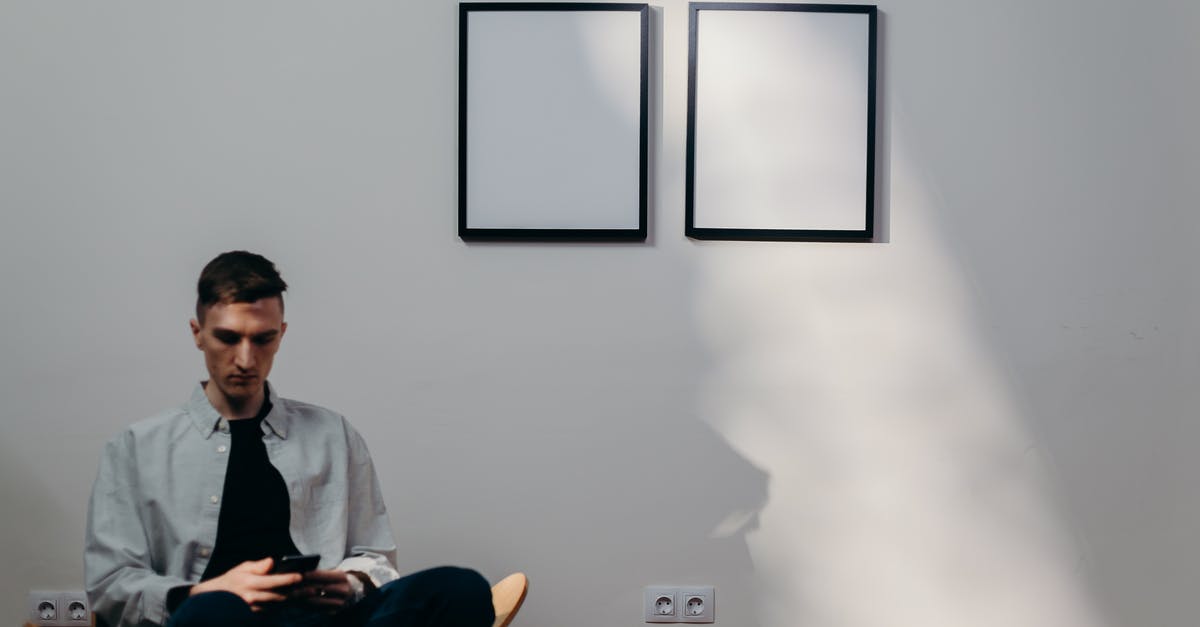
237, 277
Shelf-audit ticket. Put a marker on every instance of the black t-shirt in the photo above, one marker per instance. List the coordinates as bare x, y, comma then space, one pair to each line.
256, 510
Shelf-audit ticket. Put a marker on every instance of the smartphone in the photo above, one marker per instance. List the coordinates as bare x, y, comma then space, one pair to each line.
295, 564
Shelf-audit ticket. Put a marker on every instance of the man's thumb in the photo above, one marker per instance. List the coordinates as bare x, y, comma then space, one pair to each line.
262, 566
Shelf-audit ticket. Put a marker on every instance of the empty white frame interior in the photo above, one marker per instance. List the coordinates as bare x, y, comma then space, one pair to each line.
781, 120
553, 120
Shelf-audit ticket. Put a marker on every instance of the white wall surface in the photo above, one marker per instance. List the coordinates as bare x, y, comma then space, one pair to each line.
986, 419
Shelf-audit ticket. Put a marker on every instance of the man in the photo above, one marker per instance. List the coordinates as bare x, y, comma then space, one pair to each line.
193, 508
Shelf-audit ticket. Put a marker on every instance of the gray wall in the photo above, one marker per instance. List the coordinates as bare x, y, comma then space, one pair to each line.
985, 420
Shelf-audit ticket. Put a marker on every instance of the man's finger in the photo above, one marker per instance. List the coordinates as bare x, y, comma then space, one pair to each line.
331, 603
340, 591
330, 576
277, 581
301, 592
263, 596
261, 567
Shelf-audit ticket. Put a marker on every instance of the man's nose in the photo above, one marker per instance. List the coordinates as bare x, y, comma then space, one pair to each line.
244, 357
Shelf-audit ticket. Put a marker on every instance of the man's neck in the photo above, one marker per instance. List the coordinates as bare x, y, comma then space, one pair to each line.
235, 408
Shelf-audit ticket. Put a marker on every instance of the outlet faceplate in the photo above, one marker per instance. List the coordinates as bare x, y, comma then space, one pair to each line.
679, 604
58, 608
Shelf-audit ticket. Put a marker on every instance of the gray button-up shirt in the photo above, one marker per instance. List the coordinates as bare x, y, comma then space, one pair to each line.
152, 520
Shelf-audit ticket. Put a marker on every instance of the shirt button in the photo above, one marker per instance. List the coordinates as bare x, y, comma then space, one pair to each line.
222, 448
204, 551
213, 499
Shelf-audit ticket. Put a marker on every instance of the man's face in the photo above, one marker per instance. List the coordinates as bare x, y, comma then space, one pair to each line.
239, 341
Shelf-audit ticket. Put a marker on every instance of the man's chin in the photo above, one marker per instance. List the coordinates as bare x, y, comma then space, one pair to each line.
241, 388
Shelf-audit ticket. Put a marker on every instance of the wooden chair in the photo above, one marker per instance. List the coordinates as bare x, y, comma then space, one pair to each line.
507, 597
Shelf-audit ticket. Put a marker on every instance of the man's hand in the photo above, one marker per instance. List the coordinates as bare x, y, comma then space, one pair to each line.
327, 590
250, 581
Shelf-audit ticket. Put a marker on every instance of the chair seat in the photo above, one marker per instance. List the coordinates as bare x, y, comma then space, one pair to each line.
507, 596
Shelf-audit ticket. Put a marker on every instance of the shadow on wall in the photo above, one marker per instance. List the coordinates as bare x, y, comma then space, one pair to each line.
905, 487
901, 472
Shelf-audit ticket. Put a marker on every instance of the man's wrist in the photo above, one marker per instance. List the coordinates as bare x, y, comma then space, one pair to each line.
360, 583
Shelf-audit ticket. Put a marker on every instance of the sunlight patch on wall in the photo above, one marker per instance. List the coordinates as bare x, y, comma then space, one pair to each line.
904, 487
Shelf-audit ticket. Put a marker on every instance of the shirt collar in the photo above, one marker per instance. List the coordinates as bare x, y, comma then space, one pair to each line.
209, 421
276, 419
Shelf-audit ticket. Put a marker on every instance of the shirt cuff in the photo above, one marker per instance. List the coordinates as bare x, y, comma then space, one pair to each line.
376, 568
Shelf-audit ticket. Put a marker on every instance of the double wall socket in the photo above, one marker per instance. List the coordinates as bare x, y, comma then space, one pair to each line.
59, 608
679, 604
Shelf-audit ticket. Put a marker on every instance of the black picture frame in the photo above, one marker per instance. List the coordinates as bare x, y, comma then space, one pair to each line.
842, 211
512, 184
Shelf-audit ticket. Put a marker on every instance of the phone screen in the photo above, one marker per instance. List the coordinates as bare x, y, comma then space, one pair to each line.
296, 563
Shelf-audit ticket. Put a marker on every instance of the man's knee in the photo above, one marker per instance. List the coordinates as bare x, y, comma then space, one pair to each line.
213, 608
463, 583
461, 595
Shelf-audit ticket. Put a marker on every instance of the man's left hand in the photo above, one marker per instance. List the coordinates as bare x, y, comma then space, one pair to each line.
324, 589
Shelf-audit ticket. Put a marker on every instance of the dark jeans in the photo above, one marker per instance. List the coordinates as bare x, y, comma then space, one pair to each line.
442, 597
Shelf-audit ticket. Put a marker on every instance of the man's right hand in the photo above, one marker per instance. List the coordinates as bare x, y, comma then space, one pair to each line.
250, 581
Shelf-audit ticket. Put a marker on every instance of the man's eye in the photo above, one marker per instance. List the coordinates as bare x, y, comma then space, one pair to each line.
263, 341
225, 338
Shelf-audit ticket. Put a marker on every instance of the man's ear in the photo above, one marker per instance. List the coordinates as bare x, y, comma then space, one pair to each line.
195, 332
282, 329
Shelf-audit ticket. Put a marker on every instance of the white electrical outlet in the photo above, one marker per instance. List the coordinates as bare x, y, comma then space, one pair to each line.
696, 604
75, 608
43, 607
56, 608
679, 604
662, 604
